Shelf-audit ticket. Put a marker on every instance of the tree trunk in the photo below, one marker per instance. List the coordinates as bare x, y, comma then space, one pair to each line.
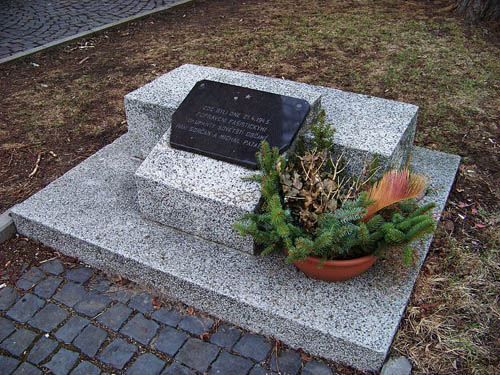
478, 10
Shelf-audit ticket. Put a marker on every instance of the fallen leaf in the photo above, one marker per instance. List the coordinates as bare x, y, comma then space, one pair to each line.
449, 226
480, 225
156, 303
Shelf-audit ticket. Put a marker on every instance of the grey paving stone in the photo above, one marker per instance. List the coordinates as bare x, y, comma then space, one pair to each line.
114, 317
142, 302
229, 364
62, 362
71, 329
197, 354
8, 364
70, 294
90, 340
140, 329
27, 369
79, 275
25, 308
225, 336
41, 350
92, 305
170, 317
254, 347
100, 285
122, 295
53, 267
316, 368
287, 363
47, 287
8, 296
169, 341
146, 364
118, 353
48, 318
177, 369
87, 368
30, 278
196, 325
18, 342
397, 366
259, 370
6, 328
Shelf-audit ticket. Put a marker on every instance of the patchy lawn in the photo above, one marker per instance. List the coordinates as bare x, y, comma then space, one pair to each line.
60, 106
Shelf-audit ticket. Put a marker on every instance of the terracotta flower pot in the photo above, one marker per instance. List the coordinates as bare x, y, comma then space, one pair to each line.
335, 270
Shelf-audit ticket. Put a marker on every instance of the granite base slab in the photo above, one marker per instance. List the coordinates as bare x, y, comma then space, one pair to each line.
91, 213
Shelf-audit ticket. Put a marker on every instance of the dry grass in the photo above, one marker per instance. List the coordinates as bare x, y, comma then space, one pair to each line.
72, 104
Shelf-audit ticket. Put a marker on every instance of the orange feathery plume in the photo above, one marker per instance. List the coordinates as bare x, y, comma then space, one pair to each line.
394, 186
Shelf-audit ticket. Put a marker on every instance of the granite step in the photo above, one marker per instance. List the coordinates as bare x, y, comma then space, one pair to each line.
92, 213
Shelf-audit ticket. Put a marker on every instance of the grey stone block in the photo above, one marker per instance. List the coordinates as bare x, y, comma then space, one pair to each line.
146, 364
150, 108
177, 369
30, 278
229, 364
25, 308
114, 317
47, 287
169, 341
79, 275
7, 227
70, 294
170, 317
368, 126
41, 350
92, 305
351, 322
6, 328
8, 296
48, 318
287, 363
71, 329
225, 336
118, 353
18, 342
259, 370
397, 366
316, 368
53, 267
62, 362
196, 194
100, 285
90, 340
8, 364
27, 369
254, 347
197, 354
140, 329
86, 368
122, 295
142, 302
196, 325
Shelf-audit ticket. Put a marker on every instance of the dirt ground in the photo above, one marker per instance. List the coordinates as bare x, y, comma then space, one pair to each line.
60, 106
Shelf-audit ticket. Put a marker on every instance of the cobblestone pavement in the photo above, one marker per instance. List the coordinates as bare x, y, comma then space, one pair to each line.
66, 319
30, 24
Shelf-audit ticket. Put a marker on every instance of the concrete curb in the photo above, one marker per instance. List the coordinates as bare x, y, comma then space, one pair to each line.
86, 33
7, 227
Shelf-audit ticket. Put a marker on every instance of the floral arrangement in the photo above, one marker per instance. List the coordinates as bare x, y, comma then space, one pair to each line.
311, 208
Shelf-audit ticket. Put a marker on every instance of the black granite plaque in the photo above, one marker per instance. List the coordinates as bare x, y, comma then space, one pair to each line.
229, 122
